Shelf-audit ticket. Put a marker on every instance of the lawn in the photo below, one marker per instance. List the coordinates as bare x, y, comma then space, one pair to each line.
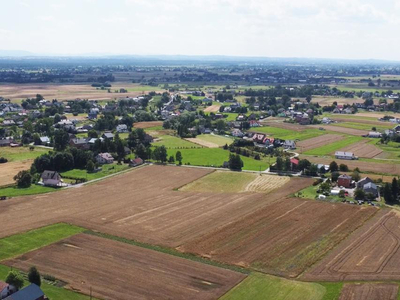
333, 290
173, 142
330, 148
221, 182
106, 170
260, 286
32, 190
216, 139
18, 244
21, 153
216, 156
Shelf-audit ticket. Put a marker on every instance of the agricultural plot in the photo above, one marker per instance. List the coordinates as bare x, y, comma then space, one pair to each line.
212, 108
363, 149
173, 142
284, 238
316, 142
354, 119
289, 134
362, 126
328, 100
333, 128
330, 149
266, 183
10, 169
370, 291
146, 125
211, 140
372, 253
140, 205
88, 262
21, 153
280, 124
202, 143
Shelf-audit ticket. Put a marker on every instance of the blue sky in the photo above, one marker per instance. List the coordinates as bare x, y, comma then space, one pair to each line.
353, 29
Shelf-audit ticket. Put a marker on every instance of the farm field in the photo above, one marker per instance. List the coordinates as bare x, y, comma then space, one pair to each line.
140, 205
259, 287
173, 142
211, 140
107, 169
328, 100
146, 125
370, 291
21, 153
377, 114
350, 131
278, 123
10, 169
362, 126
212, 108
283, 238
289, 134
317, 142
14, 191
202, 142
361, 120
86, 261
387, 168
371, 253
332, 147
267, 183
363, 149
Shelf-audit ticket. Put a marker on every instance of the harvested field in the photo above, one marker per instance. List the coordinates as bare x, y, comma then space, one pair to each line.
85, 261
203, 143
149, 124
284, 125
141, 205
10, 169
283, 238
318, 141
371, 253
363, 149
354, 119
370, 291
339, 129
212, 108
266, 183
364, 166
378, 115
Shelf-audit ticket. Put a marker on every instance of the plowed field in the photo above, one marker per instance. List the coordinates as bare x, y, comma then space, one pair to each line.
363, 149
369, 291
149, 124
317, 142
283, 238
339, 129
116, 270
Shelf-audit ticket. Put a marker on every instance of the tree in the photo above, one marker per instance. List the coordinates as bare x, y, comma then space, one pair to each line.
160, 154
235, 162
342, 194
178, 157
356, 176
359, 194
171, 159
287, 164
343, 168
304, 164
387, 193
279, 163
90, 166
61, 140
34, 276
14, 278
23, 179
335, 176
395, 189
333, 166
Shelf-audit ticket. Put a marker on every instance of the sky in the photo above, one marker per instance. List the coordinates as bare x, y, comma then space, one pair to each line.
347, 29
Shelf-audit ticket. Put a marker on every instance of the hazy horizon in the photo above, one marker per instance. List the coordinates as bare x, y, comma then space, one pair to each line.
314, 29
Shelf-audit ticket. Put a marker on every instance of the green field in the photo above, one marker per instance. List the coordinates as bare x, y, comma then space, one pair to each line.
215, 157
173, 142
216, 139
286, 134
259, 286
363, 126
32, 190
18, 244
221, 182
330, 148
106, 170
21, 153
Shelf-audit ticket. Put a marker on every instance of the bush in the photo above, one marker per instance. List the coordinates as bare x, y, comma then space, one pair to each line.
3, 160
343, 168
23, 179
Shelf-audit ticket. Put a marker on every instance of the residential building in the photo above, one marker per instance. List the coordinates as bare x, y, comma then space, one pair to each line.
374, 134
79, 143
5, 142
136, 162
289, 144
121, 128
344, 181
104, 158
237, 133
51, 178
31, 292
371, 188
6, 289
345, 155
108, 135
363, 181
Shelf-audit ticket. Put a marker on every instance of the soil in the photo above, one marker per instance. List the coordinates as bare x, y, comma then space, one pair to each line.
317, 142
379, 291
362, 149
10, 169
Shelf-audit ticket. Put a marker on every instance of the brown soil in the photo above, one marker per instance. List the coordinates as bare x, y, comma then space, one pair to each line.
371, 253
339, 129
381, 291
281, 124
202, 143
317, 142
141, 205
363, 149
10, 169
212, 108
115, 270
149, 124
358, 120
283, 238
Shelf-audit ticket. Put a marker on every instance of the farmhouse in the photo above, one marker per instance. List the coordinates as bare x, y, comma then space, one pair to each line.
363, 181
371, 188
104, 158
345, 155
237, 133
289, 144
136, 162
31, 292
51, 178
344, 180
79, 143
6, 289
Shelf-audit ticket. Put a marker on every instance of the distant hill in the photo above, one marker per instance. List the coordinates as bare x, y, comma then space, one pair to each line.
15, 53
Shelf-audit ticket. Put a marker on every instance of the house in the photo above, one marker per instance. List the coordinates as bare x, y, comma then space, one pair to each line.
108, 135
360, 184
289, 144
237, 133
344, 180
136, 162
259, 138
31, 292
294, 163
44, 140
241, 118
5, 142
326, 120
6, 289
51, 178
345, 155
104, 158
8, 122
79, 143
371, 188
254, 123
374, 134
121, 128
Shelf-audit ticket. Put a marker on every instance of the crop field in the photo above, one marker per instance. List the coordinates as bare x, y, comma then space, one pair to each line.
259, 287
363, 126
141, 205
319, 141
334, 128
332, 147
212, 108
371, 253
278, 123
363, 149
283, 238
365, 166
266, 183
351, 119
328, 100
21, 153
146, 125
289, 134
211, 140
173, 142
377, 114
202, 142
370, 291
85, 261
10, 169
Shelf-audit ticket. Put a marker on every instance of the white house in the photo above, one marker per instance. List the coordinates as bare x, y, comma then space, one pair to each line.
51, 178
6, 289
104, 158
345, 155
121, 128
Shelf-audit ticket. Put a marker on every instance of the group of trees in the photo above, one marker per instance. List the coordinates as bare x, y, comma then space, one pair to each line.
15, 279
391, 192
160, 154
